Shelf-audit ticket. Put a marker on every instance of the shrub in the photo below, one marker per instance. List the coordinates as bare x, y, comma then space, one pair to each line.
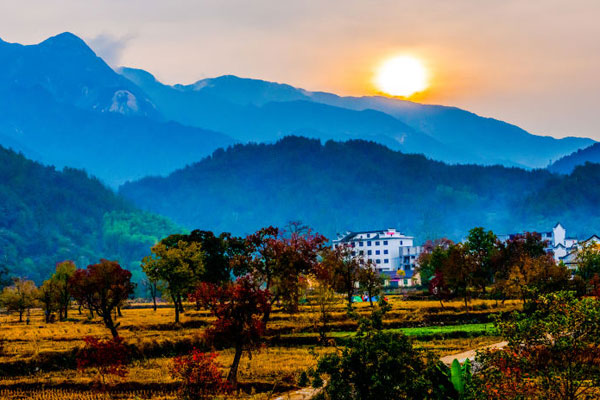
383, 366
109, 357
200, 376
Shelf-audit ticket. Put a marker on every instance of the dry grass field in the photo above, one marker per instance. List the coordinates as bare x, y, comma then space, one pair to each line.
37, 359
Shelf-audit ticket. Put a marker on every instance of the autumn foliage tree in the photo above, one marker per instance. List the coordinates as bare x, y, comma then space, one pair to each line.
281, 260
238, 308
432, 258
20, 297
102, 287
370, 281
345, 267
176, 264
48, 297
60, 278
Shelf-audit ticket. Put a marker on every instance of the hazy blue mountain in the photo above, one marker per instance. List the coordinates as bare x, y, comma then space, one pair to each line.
259, 111
355, 185
248, 109
485, 138
48, 216
566, 164
114, 147
62, 105
72, 73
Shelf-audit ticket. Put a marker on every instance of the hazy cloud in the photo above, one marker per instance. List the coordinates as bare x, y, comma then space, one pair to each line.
109, 47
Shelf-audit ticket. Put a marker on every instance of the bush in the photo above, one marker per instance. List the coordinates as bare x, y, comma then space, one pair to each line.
109, 357
383, 365
200, 376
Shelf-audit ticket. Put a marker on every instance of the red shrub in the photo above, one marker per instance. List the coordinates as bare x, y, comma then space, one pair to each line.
107, 356
200, 375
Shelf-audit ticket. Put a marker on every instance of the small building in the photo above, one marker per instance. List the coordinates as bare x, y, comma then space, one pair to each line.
558, 241
570, 259
393, 253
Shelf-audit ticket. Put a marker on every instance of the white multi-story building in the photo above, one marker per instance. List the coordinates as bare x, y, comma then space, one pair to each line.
558, 242
393, 253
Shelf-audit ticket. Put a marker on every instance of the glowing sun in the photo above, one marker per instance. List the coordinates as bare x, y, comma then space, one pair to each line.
401, 76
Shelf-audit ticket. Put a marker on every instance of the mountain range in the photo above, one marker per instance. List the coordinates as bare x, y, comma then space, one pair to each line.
359, 185
235, 154
256, 110
62, 105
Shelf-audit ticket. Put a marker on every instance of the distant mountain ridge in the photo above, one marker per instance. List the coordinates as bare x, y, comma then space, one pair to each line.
62, 105
443, 133
359, 185
567, 164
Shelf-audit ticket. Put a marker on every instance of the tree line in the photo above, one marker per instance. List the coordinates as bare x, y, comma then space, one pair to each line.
519, 267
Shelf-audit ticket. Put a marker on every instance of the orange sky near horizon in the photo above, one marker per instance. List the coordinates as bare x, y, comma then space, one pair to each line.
533, 63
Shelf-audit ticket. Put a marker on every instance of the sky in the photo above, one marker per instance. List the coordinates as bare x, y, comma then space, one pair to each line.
534, 63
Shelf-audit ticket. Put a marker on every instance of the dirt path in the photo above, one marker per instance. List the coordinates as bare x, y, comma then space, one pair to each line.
302, 394
470, 354
308, 393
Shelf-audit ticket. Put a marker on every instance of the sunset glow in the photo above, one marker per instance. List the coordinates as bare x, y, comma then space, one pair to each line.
401, 76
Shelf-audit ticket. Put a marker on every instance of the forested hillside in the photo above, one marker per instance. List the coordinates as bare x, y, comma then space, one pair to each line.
47, 216
362, 185
566, 164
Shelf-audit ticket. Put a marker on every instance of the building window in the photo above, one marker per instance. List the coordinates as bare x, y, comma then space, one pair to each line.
401, 243
370, 260
378, 261
386, 261
385, 251
385, 242
369, 252
368, 235
376, 243
368, 243
377, 252
353, 253
361, 252
406, 282
360, 244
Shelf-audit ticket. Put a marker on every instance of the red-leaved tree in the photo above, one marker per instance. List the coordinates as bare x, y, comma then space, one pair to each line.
102, 287
281, 260
200, 376
238, 308
109, 357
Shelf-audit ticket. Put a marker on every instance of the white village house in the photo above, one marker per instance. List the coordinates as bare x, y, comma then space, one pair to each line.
557, 239
393, 253
570, 259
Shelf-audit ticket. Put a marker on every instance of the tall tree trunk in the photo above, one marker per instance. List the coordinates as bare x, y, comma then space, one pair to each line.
176, 305
232, 376
21, 316
154, 301
111, 325
350, 299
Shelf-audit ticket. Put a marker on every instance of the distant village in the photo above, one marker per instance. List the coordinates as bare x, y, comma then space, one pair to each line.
395, 255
